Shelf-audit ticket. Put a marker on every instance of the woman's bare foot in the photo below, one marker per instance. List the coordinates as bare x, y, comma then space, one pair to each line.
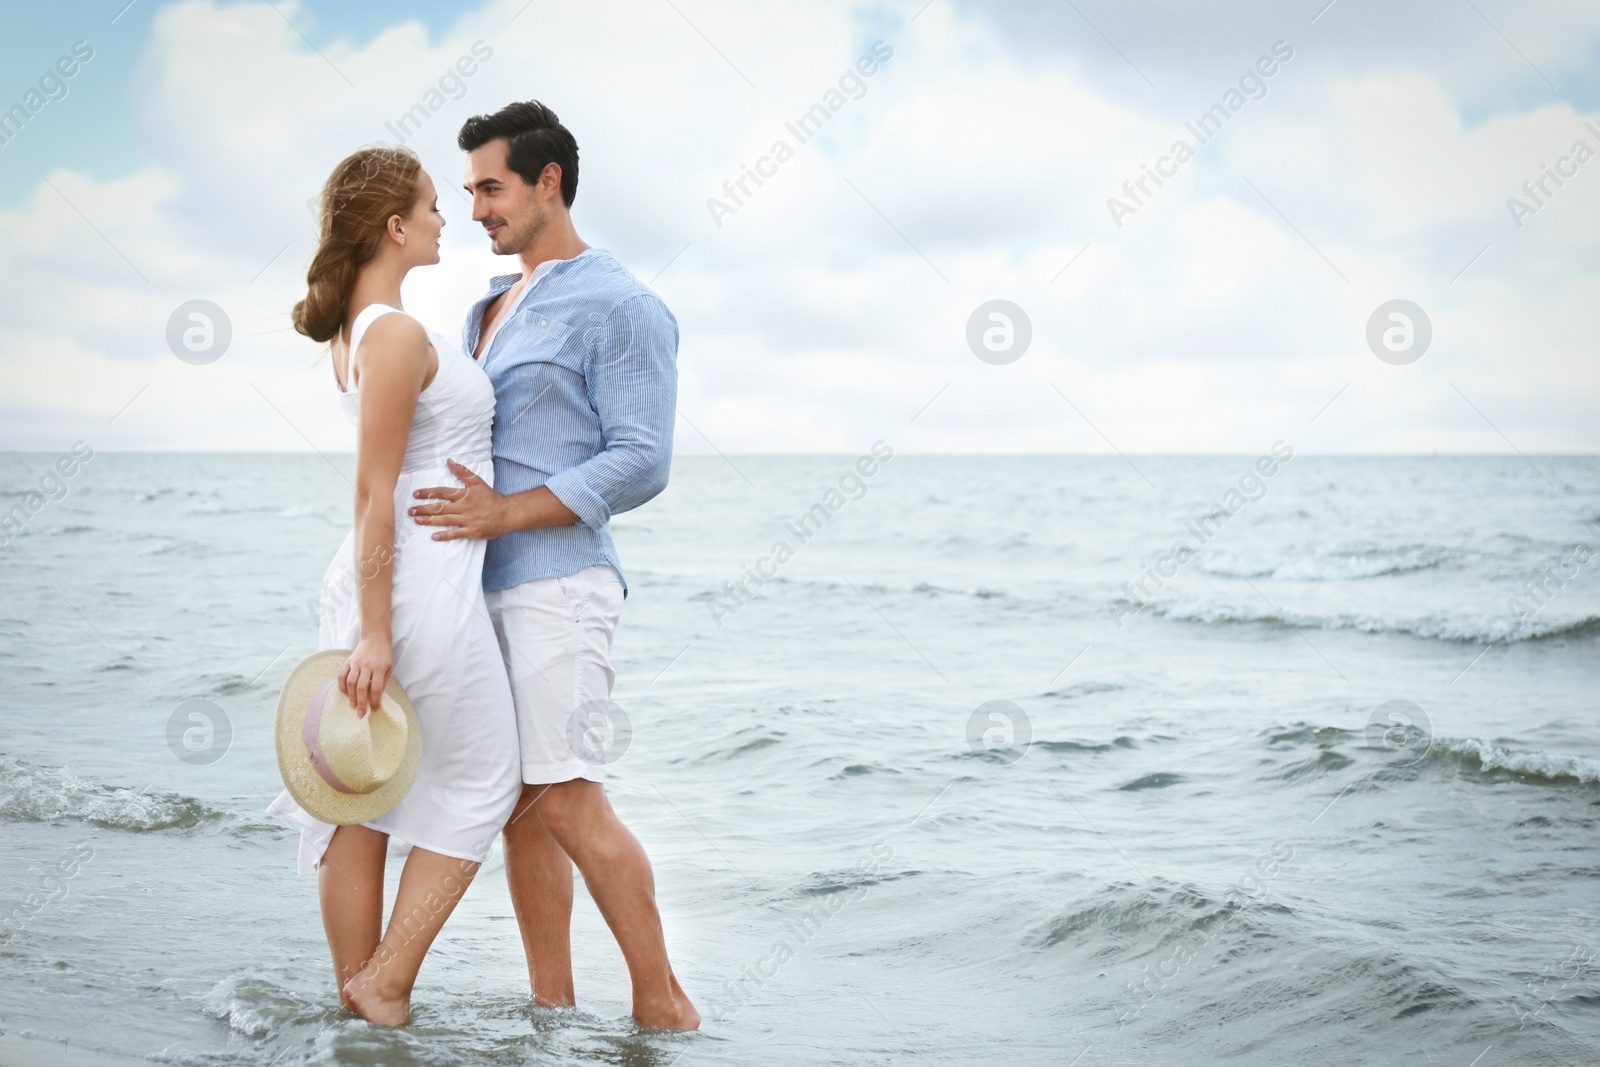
366, 997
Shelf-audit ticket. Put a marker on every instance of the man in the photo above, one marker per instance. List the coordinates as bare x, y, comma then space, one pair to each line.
583, 361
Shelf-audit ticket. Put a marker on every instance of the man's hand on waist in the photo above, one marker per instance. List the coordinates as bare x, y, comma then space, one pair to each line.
475, 510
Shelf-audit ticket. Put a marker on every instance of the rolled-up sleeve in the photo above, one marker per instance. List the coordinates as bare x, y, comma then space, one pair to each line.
631, 374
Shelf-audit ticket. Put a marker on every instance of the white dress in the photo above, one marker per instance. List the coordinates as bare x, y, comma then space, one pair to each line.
446, 654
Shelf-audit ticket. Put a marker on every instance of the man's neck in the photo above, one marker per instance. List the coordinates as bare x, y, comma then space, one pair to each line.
559, 242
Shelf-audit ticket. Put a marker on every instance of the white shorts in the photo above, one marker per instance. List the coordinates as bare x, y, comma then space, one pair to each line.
555, 637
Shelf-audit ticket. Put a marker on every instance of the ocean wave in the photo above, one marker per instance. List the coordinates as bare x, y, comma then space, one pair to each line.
981, 592
222, 508
741, 743
1338, 562
224, 684
301, 511
1156, 938
1469, 629
1077, 746
157, 544
1323, 763
1082, 689
244, 1004
1125, 920
1156, 780
187, 548
860, 770
30, 793
1445, 753
256, 1007
1535, 763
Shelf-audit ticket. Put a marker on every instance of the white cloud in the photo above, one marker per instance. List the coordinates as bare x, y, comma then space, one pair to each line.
816, 317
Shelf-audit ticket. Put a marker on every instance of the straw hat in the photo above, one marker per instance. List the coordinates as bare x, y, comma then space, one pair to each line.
340, 767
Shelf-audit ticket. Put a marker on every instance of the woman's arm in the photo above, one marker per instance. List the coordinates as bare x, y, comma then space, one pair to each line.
395, 363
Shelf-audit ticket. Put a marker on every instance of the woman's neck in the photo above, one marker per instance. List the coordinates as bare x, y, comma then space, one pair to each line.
378, 283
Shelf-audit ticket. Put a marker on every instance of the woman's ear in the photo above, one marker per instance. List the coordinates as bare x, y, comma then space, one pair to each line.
397, 229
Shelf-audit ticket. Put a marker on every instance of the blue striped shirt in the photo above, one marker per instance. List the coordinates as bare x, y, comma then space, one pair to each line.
585, 383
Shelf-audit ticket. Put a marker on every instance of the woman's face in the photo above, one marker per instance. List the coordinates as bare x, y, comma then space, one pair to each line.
424, 224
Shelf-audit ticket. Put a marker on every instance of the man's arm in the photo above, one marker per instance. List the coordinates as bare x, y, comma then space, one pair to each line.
632, 380
632, 377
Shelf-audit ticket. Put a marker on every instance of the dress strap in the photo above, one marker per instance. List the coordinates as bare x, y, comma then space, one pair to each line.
369, 314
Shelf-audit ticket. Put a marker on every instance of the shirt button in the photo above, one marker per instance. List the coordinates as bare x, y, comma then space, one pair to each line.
544, 322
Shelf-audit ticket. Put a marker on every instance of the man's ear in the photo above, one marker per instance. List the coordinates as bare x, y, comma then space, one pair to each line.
550, 179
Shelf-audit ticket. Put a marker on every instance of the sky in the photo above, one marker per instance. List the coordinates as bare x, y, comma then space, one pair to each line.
1372, 226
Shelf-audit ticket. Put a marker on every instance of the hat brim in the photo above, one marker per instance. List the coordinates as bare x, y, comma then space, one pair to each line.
320, 800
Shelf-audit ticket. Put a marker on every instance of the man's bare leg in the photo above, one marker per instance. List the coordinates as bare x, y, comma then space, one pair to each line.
539, 874
617, 872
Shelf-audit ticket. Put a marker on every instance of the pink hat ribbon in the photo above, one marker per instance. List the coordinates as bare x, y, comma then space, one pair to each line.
311, 730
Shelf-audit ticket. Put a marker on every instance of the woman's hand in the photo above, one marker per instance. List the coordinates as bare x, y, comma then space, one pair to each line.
366, 673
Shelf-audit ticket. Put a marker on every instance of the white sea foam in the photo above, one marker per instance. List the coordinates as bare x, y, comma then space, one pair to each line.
1440, 626
1543, 764
250, 1006
47, 794
1337, 562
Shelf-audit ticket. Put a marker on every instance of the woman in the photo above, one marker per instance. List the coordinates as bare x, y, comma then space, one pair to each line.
417, 607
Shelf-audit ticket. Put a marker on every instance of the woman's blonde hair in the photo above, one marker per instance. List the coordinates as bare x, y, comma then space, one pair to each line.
363, 192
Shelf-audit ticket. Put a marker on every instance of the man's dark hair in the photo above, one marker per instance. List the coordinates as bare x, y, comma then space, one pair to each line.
534, 139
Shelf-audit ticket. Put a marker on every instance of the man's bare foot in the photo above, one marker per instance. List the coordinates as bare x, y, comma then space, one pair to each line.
365, 996
679, 1014
686, 1010
688, 1016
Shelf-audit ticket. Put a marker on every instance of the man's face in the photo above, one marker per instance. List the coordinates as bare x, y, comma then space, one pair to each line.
512, 212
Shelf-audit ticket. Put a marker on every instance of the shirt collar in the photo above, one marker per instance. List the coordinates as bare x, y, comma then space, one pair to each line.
501, 282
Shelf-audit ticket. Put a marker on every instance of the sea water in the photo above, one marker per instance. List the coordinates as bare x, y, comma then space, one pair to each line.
1255, 759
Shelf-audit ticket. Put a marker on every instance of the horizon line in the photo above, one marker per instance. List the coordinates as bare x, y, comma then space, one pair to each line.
757, 455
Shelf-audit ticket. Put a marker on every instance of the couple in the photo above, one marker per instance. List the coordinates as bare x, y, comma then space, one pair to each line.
517, 447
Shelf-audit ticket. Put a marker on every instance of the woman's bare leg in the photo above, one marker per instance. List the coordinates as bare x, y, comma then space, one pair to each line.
430, 887
350, 886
